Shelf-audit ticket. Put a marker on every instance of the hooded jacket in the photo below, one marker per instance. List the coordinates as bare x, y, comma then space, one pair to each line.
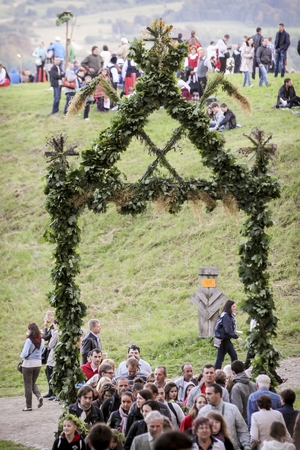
240, 392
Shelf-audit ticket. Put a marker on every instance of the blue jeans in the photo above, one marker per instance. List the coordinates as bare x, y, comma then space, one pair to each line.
69, 96
56, 93
246, 79
263, 74
280, 58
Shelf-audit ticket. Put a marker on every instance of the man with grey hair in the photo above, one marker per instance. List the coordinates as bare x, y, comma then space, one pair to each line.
154, 421
263, 383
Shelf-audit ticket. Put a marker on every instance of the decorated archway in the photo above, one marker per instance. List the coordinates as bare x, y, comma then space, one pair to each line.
96, 182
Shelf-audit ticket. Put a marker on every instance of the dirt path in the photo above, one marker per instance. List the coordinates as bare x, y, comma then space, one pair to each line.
36, 428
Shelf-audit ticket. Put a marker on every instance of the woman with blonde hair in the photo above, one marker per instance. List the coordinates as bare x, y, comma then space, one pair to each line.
219, 429
199, 403
102, 382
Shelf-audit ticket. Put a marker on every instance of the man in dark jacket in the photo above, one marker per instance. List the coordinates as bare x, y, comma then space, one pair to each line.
282, 43
287, 95
56, 75
264, 61
288, 398
257, 39
84, 409
242, 387
229, 121
113, 403
91, 340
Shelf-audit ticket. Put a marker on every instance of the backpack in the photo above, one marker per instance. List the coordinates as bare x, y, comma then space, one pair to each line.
219, 333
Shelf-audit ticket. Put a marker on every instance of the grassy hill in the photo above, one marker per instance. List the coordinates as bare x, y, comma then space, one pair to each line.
138, 273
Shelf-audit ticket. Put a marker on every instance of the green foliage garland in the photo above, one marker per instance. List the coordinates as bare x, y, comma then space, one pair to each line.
98, 181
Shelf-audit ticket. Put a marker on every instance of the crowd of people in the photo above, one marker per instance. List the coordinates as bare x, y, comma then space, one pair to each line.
131, 407
256, 53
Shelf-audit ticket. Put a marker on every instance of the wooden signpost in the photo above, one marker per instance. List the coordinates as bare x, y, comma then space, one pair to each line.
208, 300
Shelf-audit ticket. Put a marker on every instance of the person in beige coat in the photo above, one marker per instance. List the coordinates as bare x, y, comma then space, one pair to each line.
262, 420
247, 53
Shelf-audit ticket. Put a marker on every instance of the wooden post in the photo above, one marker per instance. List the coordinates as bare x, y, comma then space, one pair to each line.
208, 300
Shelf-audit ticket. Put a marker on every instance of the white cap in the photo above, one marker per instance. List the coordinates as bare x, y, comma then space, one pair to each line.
57, 38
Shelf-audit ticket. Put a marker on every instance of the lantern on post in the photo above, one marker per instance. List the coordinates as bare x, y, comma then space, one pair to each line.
208, 300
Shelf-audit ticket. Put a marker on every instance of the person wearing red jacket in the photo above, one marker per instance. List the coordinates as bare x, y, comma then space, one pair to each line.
91, 368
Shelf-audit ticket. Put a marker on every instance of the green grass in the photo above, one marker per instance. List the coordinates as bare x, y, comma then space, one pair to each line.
137, 273
8, 445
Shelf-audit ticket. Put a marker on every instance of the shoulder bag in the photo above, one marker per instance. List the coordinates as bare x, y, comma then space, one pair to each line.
68, 84
19, 365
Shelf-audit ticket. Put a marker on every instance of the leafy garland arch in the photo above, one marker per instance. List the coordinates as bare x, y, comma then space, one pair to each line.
97, 181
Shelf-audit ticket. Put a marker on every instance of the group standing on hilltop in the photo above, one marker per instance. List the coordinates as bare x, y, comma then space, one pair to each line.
255, 54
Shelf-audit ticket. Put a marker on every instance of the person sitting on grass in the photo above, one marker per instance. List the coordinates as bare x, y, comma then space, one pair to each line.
229, 121
287, 95
70, 437
217, 117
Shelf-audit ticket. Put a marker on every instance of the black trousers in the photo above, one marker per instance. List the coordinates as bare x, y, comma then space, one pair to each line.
49, 371
225, 347
202, 85
294, 101
223, 64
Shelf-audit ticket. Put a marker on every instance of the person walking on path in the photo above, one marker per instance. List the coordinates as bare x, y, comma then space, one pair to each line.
225, 331
31, 365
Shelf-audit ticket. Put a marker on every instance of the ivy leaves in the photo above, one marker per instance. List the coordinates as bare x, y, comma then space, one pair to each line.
97, 181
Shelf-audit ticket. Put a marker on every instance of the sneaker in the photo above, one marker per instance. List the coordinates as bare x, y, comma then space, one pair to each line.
52, 398
87, 118
251, 85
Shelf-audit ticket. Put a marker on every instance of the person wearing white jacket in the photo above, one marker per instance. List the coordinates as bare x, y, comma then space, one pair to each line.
262, 421
223, 48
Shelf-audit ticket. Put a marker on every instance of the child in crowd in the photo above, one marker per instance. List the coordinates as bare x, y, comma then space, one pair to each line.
117, 440
70, 438
103, 102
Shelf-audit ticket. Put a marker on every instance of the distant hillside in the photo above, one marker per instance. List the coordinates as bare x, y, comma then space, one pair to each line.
255, 13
